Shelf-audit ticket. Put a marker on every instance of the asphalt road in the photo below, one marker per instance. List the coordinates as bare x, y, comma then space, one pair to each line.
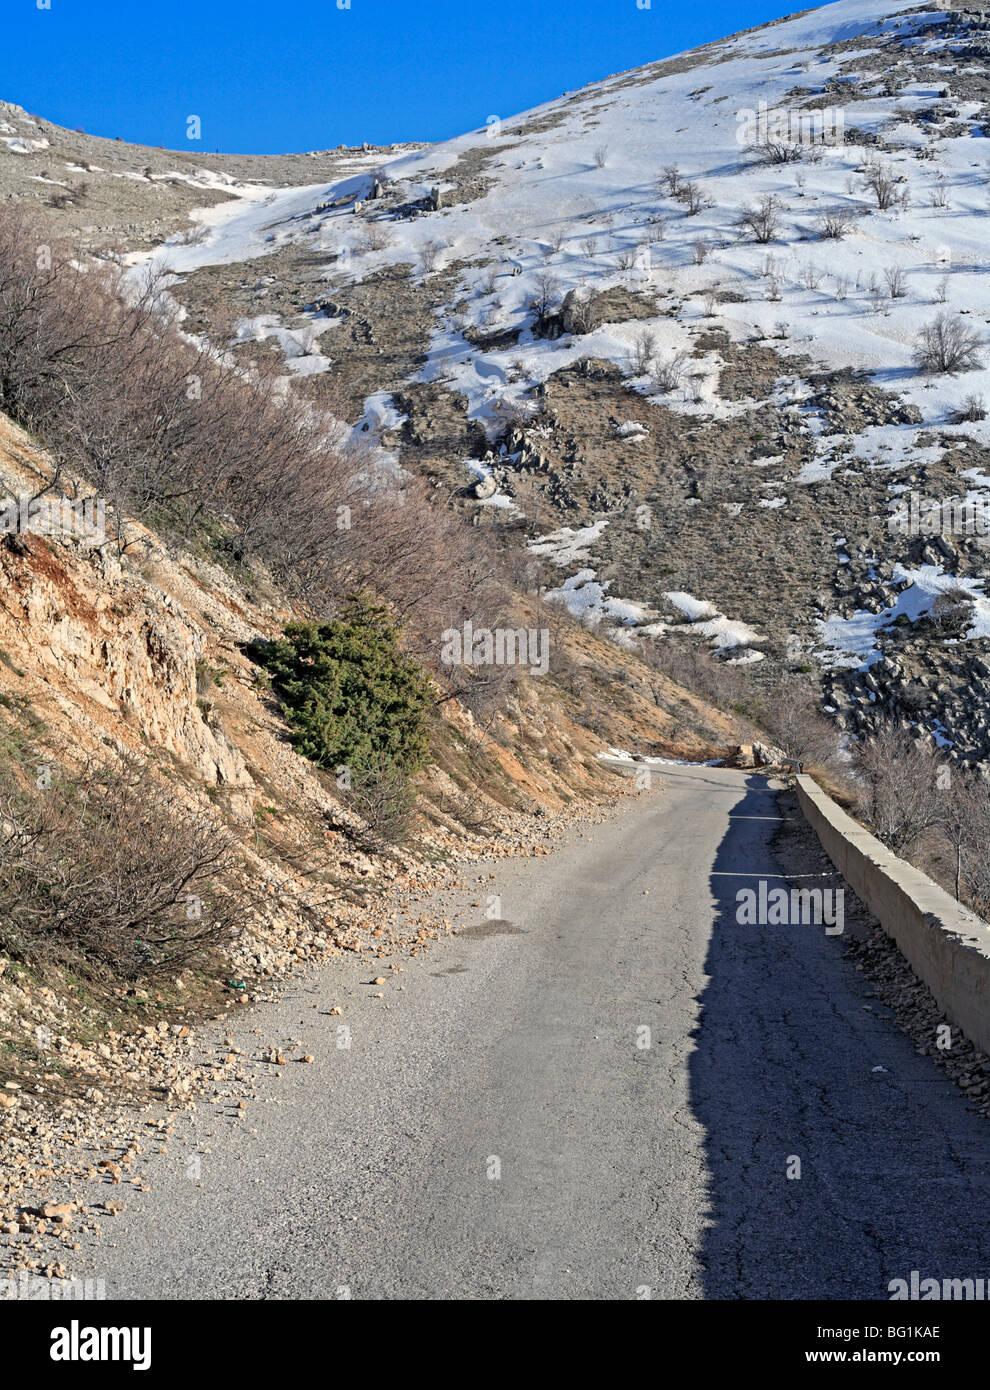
499, 1129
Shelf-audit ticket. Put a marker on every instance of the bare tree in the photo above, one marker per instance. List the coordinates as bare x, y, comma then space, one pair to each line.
947, 345
694, 198
880, 181
896, 281
644, 352
964, 819
545, 301
899, 794
761, 220
970, 822
794, 719
670, 181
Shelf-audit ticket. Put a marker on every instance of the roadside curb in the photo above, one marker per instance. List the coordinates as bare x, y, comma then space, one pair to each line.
947, 946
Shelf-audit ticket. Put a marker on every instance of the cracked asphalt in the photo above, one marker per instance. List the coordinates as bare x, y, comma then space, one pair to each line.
605, 1094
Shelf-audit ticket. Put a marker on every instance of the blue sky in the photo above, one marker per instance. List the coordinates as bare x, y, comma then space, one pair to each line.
266, 76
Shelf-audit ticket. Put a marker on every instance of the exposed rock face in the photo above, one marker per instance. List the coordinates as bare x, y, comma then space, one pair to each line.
579, 314
107, 645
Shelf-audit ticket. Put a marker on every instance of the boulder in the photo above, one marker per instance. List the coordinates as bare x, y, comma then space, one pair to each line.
485, 487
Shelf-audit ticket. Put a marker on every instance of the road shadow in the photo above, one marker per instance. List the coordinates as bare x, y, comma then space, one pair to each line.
796, 1069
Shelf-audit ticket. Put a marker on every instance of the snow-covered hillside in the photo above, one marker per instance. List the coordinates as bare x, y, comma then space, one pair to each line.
585, 169
657, 196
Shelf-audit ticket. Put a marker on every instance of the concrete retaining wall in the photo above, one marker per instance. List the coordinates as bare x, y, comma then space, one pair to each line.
947, 946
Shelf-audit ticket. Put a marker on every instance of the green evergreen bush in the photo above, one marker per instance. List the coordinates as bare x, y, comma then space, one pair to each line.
351, 696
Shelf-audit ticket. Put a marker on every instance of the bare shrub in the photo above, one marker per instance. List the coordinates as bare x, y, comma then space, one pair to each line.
601, 156
694, 667
947, 345
761, 220
385, 801
694, 198
973, 409
792, 716
670, 181
834, 223
877, 293
669, 373
700, 250
896, 281
644, 352
429, 255
775, 151
580, 310
179, 435
952, 610
898, 795
379, 238
880, 181
109, 871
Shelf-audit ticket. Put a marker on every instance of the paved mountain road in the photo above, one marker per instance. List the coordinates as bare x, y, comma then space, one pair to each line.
497, 1133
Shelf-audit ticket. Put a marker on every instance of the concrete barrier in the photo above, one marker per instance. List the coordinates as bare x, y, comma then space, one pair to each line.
947, 945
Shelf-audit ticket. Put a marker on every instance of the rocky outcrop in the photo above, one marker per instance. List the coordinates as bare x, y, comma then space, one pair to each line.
116, 648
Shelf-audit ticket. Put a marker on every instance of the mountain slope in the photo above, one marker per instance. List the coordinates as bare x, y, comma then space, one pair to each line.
533, 315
